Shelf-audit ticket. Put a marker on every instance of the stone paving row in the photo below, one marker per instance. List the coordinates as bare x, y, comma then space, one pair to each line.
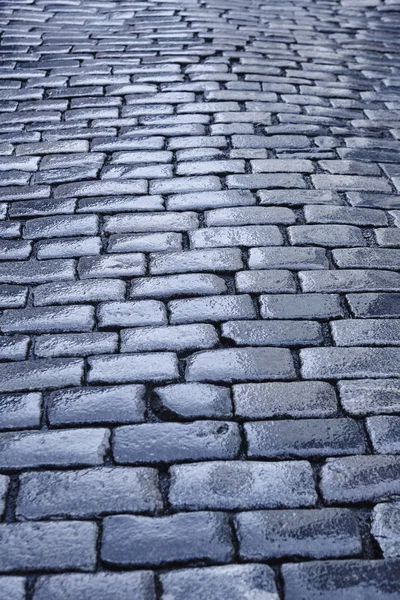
200, 300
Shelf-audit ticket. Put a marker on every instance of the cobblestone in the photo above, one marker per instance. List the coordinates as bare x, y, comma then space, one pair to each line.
239, 485
87, 493
330, 580
235, 581
199, 300
177, 538
97, 585
323, 533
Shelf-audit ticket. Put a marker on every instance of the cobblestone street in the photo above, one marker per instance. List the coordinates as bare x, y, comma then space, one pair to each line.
200, 300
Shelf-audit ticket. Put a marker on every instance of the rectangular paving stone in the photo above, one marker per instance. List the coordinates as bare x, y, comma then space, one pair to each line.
74, 586
100, 188
126, 223
177, 338
296, 197
287, 258
76, 344
273, 281
145, 242
272, 333
321, 533
211, 308
39, 374
366, 332
206, 200
300, 399
249, 215
52, 147
225, 259
250, 235
349, 363
131, 314
61, 226
107, 404
303, 438
233, 581
374, 200
47, 319
235, 364
116, 265
300, 306
355, 479
273, 141
188, 284
176, 538
182, 185
235, 485
24, 192
20, 411
329, 580
73, 447
344, 214
117, 204
374, 305
193, 400
350, 182
175, 442
92, 290
326, 235
367, 258
87, 493
257, 181
37, 271
157, 366
55, 546
350, 280
370, 396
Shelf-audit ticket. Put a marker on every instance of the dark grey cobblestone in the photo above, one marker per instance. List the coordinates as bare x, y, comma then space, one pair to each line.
322, 533
199, 300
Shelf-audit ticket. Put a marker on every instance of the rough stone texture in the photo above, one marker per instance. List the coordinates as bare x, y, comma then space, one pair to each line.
87, 493
235, 485
193, 400
199, 299
129, 540
290, 399
24, 449
321, 533
334, 580
175, 442
51, 546
12, 588
304, 438
113, 404
360, 479
98, 586
232, 581
248, 364
386, 528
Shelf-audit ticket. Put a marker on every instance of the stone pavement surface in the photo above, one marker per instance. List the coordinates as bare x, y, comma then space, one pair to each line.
200, 300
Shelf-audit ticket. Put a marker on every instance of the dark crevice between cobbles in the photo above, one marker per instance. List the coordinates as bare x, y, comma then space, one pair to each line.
11, 500
30, 587
165, 482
